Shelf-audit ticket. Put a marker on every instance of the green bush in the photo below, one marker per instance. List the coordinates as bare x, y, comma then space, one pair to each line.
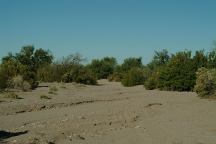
131, 63
133, 77
81, 75
205, 82
179, 74
103, 68
151, 83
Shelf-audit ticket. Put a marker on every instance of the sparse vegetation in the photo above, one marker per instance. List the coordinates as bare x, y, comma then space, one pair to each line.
44, 97
53, 90
79, 74
11, 95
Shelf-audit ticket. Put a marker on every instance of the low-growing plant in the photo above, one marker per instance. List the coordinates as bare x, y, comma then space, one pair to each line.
44, 97
18, 83
151, 83
53, 90
62, 85
117, 77
11, 95
26, 86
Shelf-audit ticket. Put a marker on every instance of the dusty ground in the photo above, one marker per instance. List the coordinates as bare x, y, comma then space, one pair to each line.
107, 114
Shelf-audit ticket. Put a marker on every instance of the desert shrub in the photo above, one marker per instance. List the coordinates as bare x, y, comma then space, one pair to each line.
44, 97
62, 85
130, 63
53, 90
205, 82
160, 58
3, 79
133, 77
31, 78
25, 63
19, 83
179, 74
9, 69
102, 68
80, 74
151, 83
11, 95
117, 77
26, 86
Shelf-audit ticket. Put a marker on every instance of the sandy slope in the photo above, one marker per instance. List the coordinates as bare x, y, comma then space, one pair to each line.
107, 114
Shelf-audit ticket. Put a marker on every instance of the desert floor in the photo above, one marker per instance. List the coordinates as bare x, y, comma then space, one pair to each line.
106, 114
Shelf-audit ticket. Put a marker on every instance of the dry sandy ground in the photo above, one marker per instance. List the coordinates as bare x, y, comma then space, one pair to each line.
107, 114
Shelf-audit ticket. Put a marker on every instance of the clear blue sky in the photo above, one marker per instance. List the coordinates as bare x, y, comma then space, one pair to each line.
98, 28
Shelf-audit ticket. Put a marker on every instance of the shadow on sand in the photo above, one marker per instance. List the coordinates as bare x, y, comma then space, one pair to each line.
5, 135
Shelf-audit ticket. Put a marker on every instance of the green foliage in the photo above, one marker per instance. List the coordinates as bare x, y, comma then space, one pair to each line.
131, 63
42, 58
56, 71
133, 77
151, 83
178, 74
80, 74
205, 82
9, 69
200, 59
25, 63
103, 68
117, 77
160, 58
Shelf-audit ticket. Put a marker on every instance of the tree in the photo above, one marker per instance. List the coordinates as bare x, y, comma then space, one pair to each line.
42, 58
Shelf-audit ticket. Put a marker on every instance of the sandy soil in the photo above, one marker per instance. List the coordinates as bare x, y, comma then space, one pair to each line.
107, 114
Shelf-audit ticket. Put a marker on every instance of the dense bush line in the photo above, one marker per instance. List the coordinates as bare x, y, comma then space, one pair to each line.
182, 71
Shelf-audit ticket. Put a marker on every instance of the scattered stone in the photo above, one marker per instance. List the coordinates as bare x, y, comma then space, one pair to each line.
80, 137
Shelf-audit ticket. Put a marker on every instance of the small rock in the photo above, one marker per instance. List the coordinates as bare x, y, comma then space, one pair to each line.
136, 127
